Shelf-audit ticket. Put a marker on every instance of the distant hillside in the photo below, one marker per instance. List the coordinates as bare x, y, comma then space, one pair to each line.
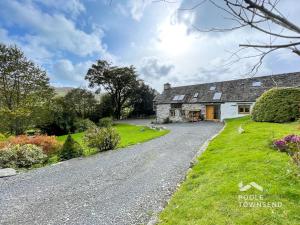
62, 91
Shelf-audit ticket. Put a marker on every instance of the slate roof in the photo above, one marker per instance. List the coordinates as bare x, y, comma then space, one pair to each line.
241, 90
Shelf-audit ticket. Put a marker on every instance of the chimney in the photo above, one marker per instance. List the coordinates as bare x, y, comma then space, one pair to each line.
167, 86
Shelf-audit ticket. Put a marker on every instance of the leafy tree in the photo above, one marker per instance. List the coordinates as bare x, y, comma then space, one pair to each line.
142, 102
61, 118
24, 91
118, 82
82, 101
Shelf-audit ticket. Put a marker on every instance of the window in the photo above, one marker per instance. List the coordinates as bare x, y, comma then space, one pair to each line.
176, 106
244, 109
256, 84
217, 95
178, 97
196, 95
212, 88
172, 112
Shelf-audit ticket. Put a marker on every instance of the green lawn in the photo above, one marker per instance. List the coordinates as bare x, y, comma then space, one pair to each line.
130, 135
210, 193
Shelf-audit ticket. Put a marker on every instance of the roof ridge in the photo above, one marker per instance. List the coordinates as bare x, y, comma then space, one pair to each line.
265, 76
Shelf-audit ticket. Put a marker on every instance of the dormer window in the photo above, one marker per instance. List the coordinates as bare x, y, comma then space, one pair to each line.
212, 88
256, 84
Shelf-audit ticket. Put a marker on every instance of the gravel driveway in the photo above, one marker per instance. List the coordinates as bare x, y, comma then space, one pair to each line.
125, 186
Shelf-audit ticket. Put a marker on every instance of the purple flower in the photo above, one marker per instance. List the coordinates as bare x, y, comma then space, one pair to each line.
289, 137
280, 144
295, 139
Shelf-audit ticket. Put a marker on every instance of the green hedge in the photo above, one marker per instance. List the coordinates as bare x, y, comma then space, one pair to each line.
277, 105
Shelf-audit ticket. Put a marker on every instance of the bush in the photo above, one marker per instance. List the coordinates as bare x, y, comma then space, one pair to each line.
2, 137
49, 144
277, 105
71, 149
103, 139
21, 156
83, 124
106, 122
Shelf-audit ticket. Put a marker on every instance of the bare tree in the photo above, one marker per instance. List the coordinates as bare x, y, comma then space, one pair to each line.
263, 16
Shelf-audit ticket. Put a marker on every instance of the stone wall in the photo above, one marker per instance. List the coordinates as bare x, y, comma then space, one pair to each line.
162, 112
193, 107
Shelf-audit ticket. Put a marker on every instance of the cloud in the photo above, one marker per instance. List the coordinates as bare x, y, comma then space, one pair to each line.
53, 31
153, 68
72, 7
137, 8
65, 72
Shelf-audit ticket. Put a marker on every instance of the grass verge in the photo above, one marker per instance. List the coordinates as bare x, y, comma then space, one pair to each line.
130, 135
210, 194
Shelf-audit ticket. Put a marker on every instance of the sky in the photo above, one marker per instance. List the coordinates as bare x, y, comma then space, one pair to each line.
65, 37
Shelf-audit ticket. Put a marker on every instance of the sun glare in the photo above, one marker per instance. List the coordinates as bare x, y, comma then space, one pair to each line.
173, 39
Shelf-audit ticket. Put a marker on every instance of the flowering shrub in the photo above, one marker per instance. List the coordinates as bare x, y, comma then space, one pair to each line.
289, 144
103, 139
49, 144
21, 156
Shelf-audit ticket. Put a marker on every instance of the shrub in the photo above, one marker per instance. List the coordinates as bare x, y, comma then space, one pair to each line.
21, 156
83, 124
106, 122
2, 137
277, 105
49, 144
71, 149
103, 139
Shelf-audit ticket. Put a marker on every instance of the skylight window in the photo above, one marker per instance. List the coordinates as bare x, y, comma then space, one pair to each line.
212, 88
196, 95
178, 97
256, 84
217, 96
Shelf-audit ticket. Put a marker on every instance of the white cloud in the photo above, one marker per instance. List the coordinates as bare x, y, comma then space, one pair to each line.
54, 31
73, 7
64, 71
137, 8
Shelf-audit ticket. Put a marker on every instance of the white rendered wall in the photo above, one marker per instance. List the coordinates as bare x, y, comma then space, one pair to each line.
230, 109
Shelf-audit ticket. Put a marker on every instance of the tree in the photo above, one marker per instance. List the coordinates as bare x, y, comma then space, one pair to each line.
142, 102
118, 82
82, 101
263, 16
24, 91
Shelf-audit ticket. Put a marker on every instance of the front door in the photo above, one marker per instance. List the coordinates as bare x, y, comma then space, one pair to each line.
210, 111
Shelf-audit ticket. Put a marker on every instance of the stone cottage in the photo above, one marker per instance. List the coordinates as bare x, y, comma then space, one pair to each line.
217, 100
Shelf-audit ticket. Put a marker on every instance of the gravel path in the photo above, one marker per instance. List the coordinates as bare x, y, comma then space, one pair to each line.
126, 186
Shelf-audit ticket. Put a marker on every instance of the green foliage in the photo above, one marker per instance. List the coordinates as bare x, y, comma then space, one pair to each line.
71, 149
27, 91
278, 105
103, 139
2, 137
81, 101
106, 122
119, 82
19, 156
142, 101
83, 124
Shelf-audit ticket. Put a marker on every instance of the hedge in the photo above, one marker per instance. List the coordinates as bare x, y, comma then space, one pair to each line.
277, 105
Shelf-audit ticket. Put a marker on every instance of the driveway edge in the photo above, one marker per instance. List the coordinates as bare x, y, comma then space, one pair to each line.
154, 218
